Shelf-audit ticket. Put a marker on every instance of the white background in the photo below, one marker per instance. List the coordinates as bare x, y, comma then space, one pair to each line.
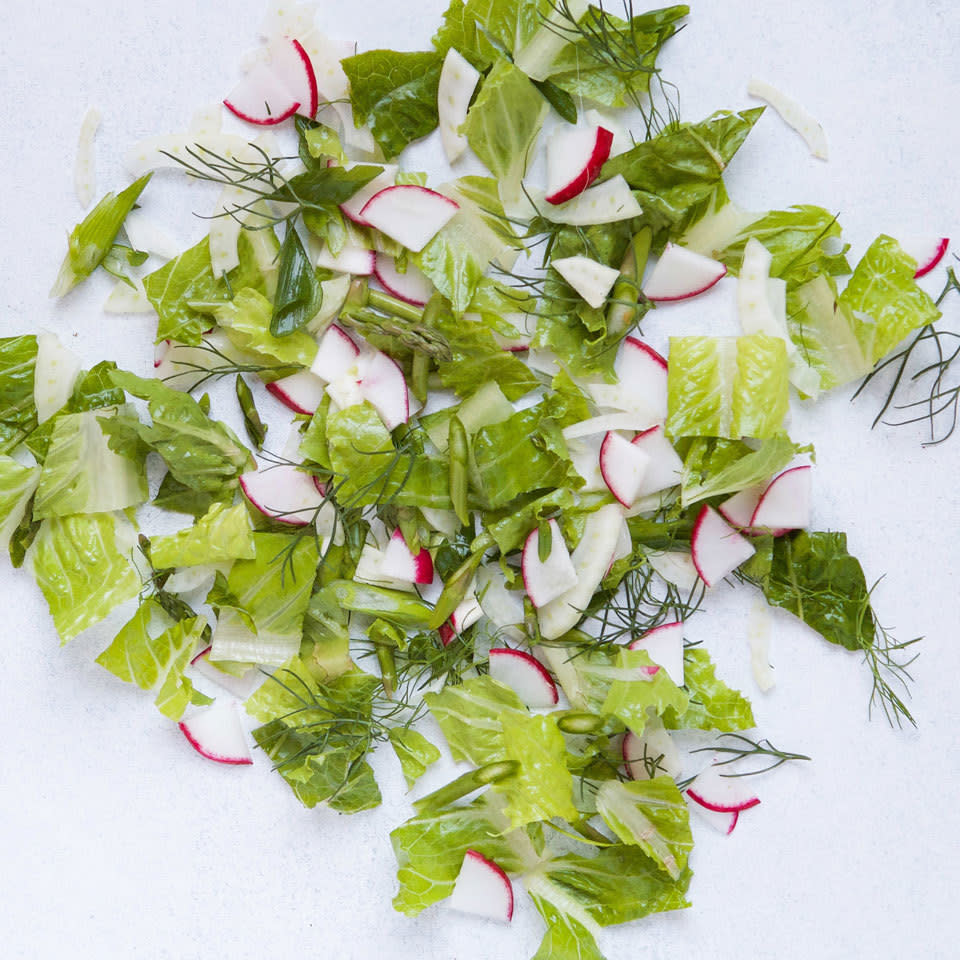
118, 840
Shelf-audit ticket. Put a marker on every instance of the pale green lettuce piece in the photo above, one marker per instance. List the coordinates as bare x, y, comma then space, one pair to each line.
715, 467
223, 533
17, 484
472, 715
543, 786
81, 474
18, 412
246, 321
727, 386
430, 848
480, 29
502, 127
395, 93
202, 454
274, 588
157, 662
884, 300
713, 705
83, 566
633, 691
91, 240
653, 815
414, 751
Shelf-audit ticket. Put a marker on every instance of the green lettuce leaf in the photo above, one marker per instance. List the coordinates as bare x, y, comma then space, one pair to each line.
676, 173
502, 127
274, 589
222, 533
884, 299
81, 474
201, 453
713, 705
472, 716
18, 412
17, 485
156, 662
633, 691
82, 564
653, 815
414, 751
395, 94
482, 29
247, 319
90, 240
714, 467
727, 386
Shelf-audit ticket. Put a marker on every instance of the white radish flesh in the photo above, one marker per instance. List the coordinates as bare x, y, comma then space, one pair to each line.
592, 280
740, 508
216, 733
722, 794
545, 580
927, 251
482, 888
336, 354
283, 493
292, 66
458, 80
717, 549
261, 98
664, 468
785, 504
525, 676
664, 646
411, 286
400, 563
357, 261
240, 687
409, 214
301, 392
680, 273
574, 158
352, 207
383, 385
623, 466
642, 383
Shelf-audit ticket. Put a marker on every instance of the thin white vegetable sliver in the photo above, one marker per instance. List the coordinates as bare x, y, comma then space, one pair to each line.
607, 202
758, 634
793, 114
84, 174
55, 373
126, 299
145, 235
458, 80
590, 279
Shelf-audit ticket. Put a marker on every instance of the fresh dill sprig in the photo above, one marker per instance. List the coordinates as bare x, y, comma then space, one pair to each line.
737, 747
930, 355
227, 367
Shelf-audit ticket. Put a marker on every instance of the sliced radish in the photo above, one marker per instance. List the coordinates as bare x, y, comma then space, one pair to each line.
283, 493
468, 612
680, 273
458, 80
664, 646
370, 570
607, 202
642, 383
724, 823
240, 687
216, 733
409, 214
261, 98
351, 208
357, 261
411, 286
301, 392
574, 158
654, 752
590, 279
525, 676
623, 466
785, 504
482, 888
336, 354
717, 549
740, 508
383, 385
665, 467
721, 794
292, 66
545, 580
400, 563
927, 251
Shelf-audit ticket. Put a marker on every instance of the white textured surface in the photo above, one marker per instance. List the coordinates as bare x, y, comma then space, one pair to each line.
118, 840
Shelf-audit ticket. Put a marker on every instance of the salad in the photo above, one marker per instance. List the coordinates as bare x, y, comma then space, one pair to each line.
499, 503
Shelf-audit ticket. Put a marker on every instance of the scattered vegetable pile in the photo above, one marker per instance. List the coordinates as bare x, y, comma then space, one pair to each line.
497, 504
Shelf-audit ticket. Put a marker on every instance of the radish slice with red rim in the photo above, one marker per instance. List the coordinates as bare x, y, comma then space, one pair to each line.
216, 733
400, 563
927, 251
300, 392
336, 354
261, 98
283, 493
482, 888
525, 675
680, 274
545, 580
716, 548
411, 286
664, 645
785, 504
409, 214
623, 466
574, 158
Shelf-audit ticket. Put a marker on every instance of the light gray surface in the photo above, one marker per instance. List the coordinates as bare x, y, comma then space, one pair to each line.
118, 840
